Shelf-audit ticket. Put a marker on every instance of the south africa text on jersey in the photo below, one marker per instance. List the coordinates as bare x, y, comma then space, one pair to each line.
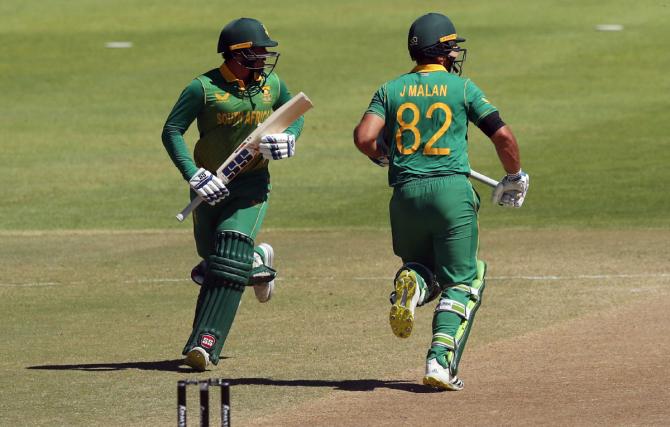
424, 90
242, 117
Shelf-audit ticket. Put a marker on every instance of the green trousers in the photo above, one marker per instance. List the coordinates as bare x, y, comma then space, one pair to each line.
434, 222
242, 211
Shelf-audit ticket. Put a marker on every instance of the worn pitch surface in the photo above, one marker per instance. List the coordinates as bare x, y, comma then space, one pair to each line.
605, 366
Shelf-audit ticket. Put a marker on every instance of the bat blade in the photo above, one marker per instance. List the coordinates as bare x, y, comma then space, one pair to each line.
278, 121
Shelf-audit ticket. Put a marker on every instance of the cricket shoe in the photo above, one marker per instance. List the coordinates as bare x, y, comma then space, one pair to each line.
440, 377
262, 273
197, 358
404, 299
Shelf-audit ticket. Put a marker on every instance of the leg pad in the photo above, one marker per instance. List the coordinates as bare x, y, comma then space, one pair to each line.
453, 320
231, 263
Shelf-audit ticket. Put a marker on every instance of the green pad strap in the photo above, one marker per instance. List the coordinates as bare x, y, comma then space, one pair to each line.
262, 274
231, 263
473, 292
454, 307
444, 340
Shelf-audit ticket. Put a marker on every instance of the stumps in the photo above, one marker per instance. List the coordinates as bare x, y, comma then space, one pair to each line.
203, 387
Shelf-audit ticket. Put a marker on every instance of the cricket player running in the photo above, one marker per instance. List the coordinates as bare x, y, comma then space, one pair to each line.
417, 125
228, 103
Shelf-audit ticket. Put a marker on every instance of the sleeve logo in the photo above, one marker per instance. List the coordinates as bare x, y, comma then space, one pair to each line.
221, 98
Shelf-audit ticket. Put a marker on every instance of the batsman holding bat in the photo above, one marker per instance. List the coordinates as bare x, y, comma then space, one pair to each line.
417, 125
228, 103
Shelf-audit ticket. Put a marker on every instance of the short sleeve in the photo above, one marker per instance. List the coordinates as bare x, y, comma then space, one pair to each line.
378, 103
476, 103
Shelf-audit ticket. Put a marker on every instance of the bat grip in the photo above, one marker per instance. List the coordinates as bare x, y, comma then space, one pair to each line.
483, 179
181, 216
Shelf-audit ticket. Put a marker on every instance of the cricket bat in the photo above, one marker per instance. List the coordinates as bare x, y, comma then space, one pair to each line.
483, 178
277, 122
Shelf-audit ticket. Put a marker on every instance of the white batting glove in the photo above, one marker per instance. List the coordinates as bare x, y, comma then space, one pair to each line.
511, 190
277, 146
209, 187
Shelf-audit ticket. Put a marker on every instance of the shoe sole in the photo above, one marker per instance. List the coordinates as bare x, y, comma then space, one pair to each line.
437, 383
196, 360
401, 316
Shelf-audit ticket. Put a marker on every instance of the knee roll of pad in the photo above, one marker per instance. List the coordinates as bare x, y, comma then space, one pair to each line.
231, 263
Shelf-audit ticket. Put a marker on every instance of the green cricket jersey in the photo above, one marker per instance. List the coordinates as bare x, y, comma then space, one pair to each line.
426, 113
225, 116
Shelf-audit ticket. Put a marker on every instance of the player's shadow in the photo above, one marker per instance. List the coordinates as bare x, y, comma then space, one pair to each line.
176, 365
345, 385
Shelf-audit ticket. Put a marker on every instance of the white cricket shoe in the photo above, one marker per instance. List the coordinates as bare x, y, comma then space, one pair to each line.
263, 290
404, 303
197, 358
440, 377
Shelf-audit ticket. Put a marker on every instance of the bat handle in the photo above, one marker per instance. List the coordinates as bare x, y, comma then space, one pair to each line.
181, 216
483, 178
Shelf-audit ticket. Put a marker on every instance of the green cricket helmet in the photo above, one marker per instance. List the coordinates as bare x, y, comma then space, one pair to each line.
244, 33
433, 35
240, 41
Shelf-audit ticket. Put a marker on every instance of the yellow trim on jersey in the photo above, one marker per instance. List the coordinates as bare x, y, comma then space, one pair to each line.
448, 38
244, 45
229, 76
427, 68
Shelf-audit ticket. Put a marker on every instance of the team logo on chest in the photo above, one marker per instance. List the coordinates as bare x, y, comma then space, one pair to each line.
267, 95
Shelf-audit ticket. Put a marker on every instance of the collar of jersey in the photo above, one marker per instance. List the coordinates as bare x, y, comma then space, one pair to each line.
427, 68
230, 77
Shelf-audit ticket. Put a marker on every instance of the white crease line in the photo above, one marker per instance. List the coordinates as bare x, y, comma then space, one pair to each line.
186, 231
28, 285
316, 278
78, 282
576, 277
580, 276
92, 232
155, 280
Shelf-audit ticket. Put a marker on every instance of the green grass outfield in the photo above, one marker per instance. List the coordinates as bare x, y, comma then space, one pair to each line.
81, 123
93, 304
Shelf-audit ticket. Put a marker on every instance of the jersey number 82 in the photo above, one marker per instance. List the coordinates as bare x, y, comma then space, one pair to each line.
429, 149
